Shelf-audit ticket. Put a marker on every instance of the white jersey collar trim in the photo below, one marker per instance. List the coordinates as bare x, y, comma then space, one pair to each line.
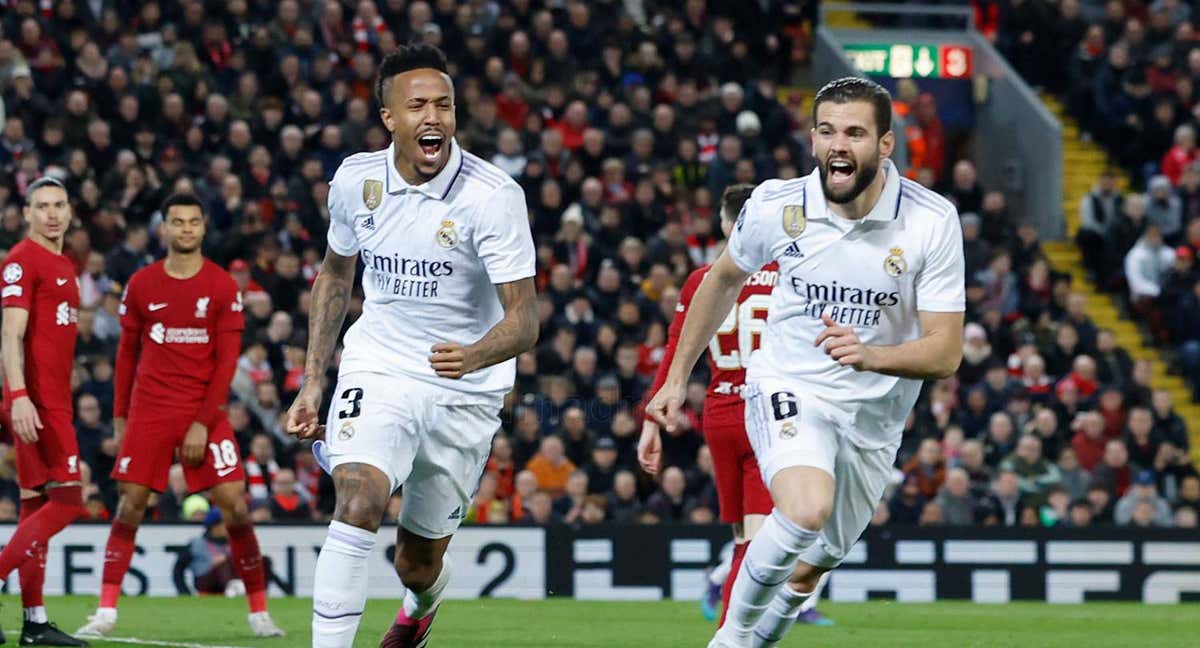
438, 187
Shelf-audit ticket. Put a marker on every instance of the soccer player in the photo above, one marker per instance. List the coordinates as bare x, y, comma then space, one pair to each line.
744, 500
40, 298
869, 303
449, 303
181, 329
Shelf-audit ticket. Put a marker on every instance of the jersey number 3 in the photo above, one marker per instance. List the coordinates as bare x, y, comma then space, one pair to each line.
353, 398
747, 320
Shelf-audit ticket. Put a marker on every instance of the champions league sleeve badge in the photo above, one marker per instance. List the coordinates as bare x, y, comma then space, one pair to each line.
447, 236
372, 193
895, 265
793, 220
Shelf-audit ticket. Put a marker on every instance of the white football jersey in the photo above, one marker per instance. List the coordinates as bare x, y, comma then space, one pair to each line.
873, 274
432, 253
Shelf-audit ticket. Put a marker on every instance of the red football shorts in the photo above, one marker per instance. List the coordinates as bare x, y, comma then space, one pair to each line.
149, 449
740, 488
54, 457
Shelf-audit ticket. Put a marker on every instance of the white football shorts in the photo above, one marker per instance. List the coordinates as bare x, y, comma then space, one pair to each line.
789, 428
432, 441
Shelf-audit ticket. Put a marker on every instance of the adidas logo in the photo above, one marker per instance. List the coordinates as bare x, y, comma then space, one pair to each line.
793, 250
369, 224
457, 514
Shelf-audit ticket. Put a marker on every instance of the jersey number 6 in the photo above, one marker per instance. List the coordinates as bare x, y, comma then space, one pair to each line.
747, 320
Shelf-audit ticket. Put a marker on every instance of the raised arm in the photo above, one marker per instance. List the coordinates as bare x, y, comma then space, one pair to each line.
710, 305
513, 335
330, 301
25, 419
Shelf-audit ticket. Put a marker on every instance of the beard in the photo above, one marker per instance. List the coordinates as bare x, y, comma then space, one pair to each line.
864, 175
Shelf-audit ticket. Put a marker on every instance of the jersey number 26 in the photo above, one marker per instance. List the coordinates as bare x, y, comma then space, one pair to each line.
748, 320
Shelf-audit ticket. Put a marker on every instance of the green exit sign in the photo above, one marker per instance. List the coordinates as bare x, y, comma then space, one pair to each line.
903, 60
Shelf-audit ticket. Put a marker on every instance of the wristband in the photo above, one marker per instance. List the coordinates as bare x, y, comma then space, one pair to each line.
18, 393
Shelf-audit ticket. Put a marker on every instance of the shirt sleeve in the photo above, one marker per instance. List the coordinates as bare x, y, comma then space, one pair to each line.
130, 309
229, 310
342, 239
502, 236
747, 247
128, 350
941, 285
17, 281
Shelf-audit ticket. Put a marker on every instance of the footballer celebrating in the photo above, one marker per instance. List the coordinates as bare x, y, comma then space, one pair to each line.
40, 298
869, 303
181, 329
449, 303
743, 499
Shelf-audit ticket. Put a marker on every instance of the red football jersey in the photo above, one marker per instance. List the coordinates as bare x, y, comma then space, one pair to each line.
737, 338
177, 322
44, 283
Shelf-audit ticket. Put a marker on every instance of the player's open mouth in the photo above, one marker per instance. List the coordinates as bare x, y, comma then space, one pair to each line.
431, 145
841, 172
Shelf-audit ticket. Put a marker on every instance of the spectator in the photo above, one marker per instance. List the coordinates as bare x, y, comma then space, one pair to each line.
286, 502
261, 467
1164, 210
623, 504
1035, 473
551, 466
1142, 491
1114, 473
569, 507
1006, 492
955, 500
669, 503
1146, 267
1079, 516
1099, 211
1075, 478
907, 503
928, 467
602, 469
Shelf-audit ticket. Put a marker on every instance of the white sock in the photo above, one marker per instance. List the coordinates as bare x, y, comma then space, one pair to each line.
340, 586
815, 597
719, 573
36, 614
418, 605
769, 562
779, 616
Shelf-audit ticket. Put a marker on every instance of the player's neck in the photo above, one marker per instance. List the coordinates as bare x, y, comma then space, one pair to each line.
183, 265
865, 202
54, 245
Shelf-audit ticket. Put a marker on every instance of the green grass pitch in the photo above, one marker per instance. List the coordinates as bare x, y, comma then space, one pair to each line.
201, 622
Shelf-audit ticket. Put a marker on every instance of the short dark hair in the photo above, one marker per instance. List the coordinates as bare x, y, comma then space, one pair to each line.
44, 181
733, 198
848, 89
408, 57
181, 200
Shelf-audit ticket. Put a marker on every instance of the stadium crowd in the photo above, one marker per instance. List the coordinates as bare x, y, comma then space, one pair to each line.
623, 122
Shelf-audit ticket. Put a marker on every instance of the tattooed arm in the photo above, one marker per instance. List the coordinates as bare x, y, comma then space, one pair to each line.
330, 300
510, 337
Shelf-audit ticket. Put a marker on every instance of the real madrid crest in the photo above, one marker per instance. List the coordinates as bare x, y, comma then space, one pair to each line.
793, 220
372, 193
894, 264
447, 236
346, 432
787, 430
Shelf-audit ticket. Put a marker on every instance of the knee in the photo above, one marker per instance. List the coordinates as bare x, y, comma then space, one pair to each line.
805, 578
416, 575
359, 511
806, 515
236, 513
131, 509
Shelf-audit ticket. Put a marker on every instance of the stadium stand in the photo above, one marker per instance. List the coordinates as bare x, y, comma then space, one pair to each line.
623, 137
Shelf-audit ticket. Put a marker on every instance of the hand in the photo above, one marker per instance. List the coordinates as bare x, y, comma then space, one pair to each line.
25, 420
649, 450
664, 407
302, 416
452, 360
192, 452
118, 431
844, 345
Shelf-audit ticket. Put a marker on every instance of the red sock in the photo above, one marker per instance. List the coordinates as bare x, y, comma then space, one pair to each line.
64, 507
118, 553
247, 560
32, 572
739, 552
